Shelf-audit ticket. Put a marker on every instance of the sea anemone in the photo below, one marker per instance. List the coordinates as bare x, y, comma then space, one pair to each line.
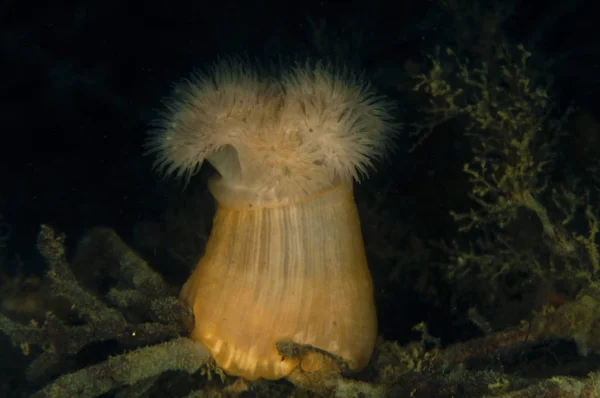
285, 261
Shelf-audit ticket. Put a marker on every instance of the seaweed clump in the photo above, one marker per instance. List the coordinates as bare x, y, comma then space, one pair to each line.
530, 221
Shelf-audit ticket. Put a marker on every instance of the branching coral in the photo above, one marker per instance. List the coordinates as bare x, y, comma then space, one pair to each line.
159, 315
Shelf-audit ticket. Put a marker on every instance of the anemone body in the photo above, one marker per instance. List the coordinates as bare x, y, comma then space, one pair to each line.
296, 273
285, 260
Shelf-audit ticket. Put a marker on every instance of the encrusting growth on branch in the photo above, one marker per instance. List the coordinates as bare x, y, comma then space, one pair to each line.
59, 340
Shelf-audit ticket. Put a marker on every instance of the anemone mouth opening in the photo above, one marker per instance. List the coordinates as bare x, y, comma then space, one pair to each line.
227, 163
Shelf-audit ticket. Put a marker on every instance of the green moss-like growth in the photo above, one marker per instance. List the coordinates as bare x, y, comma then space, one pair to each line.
530, 220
